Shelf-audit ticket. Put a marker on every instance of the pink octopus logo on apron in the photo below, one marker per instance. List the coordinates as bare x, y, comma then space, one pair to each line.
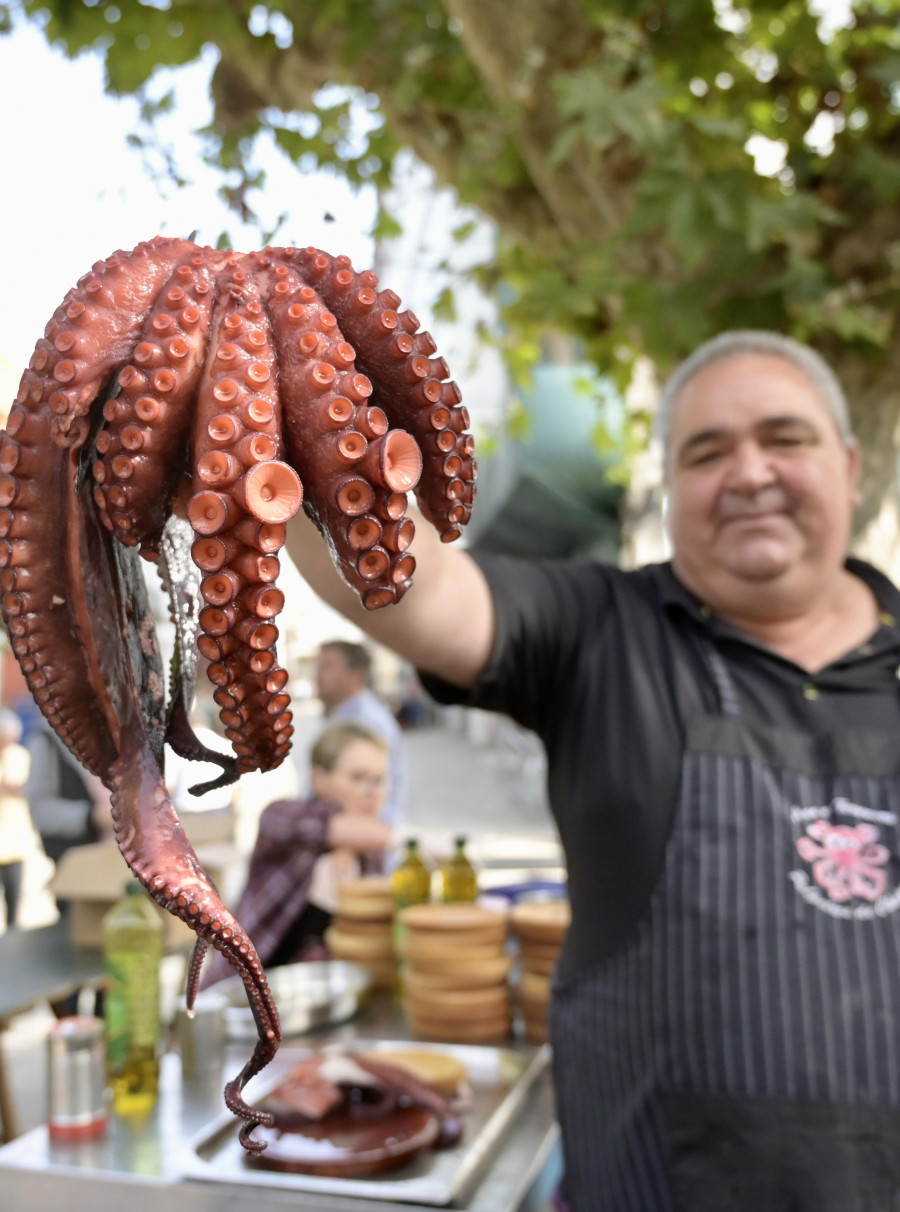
847, 860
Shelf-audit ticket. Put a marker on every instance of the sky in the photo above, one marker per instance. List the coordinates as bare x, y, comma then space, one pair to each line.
74, 191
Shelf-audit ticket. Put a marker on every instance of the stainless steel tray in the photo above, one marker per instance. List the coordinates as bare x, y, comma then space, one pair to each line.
316, 994
500, 1080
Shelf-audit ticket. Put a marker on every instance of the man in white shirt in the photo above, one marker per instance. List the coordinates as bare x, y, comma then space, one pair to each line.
343, 676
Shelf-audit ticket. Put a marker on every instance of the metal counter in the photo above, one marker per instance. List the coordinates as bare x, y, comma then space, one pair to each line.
140, 1162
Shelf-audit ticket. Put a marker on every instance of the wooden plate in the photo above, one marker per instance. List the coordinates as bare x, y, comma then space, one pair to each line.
359, 947
535, 988
463, 966
368, 899
459, 1003
454, 916
539, 951
541, 921
479, 1031
415, 948
540, 967
485, 974
374, 927
367, 886
537, 1029
493, 932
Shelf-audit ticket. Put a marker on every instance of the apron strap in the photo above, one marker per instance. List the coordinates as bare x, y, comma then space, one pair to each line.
725, 688
701, 681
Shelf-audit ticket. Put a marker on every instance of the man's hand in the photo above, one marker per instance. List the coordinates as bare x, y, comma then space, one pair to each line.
443, 625
361, 834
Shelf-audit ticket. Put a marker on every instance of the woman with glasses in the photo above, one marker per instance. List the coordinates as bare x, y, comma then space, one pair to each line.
306, 848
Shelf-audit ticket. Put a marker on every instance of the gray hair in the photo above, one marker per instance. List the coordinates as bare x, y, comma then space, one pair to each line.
354, 656
756, 341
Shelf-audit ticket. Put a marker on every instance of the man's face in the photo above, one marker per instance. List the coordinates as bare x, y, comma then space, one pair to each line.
335, 680
761, 485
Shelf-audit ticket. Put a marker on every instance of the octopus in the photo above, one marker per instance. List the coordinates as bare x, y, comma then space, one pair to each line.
359, 1087
182, 405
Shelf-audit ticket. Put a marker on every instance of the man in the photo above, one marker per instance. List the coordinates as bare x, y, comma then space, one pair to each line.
725, 774
343, 677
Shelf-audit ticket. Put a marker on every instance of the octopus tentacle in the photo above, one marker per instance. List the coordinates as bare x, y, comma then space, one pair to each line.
148, 832
218, 641
96, 328
39, 521
409, 383
156, 848
142, 448
181, 738
417, 1092
236, 441
340, 443
192, 982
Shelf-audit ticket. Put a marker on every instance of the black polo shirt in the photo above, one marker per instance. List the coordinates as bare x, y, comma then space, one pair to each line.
597, 661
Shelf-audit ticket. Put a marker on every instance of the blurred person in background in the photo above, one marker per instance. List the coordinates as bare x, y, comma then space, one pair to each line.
343, 681
17, 836
306, 848
69, 806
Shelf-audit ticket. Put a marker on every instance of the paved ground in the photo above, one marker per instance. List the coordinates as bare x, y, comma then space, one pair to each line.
470, 774
480, 775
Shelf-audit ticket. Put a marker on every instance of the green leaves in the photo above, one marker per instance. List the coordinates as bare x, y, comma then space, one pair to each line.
596, 109
338, 133
607, 139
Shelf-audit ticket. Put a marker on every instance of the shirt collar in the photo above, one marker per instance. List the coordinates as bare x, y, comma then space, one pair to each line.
674, 595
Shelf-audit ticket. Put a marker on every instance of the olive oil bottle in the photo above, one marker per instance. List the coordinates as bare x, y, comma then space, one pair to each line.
411, 885
411, 879
459, 879
133, 949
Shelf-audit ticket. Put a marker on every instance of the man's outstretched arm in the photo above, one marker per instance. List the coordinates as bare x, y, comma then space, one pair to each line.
443, 625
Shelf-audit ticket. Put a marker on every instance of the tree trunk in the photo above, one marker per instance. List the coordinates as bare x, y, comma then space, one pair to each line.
873, 390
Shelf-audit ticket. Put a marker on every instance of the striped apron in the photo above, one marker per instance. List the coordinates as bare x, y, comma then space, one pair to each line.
741, 1051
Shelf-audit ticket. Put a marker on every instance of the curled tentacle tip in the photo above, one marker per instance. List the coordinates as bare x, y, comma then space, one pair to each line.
253, 1147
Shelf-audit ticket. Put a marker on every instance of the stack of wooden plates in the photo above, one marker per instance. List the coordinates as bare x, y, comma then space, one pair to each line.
362, 929
541, 927
454, 972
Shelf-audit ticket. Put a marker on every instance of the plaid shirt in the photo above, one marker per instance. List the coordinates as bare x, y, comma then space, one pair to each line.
292, 835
